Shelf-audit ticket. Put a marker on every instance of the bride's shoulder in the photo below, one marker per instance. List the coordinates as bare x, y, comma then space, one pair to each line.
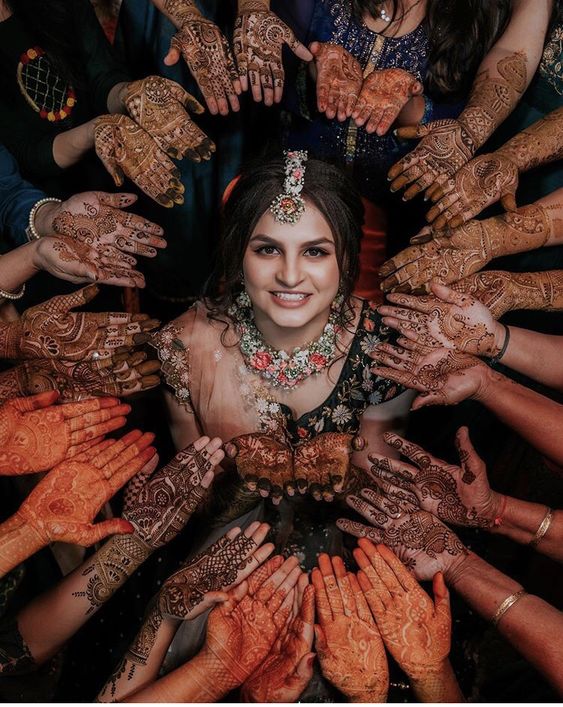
199, 326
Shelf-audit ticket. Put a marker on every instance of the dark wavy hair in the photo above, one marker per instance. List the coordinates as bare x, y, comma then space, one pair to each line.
50, 23
460, 33
326, 186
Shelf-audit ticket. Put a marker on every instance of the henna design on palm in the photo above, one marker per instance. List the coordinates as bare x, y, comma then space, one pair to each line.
126, 150
339, 79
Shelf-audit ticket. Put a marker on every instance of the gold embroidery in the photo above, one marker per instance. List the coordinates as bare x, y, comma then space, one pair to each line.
174, 356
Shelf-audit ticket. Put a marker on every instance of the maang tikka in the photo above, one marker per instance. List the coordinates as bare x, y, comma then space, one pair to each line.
288, 207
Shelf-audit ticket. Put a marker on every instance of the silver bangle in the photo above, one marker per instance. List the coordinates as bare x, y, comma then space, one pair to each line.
506, 604
31, 231
4, 294
542, 530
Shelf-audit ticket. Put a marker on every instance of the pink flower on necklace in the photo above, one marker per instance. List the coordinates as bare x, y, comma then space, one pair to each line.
261, 360
318, 360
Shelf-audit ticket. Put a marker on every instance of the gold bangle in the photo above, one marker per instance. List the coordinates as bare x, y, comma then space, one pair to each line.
542, 530
4, 294
506, 604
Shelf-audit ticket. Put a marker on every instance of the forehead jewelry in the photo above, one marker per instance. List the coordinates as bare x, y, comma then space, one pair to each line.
288, 207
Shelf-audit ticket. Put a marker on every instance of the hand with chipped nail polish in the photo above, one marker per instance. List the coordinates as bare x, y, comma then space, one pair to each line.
457, 495
383, 95
320, 466
120, 375
205, 579
36, 434
288, 667
420, 540
339, 79
445, 319
126, 150
242, 630
348, 642
415, 629
160, 504
441, 376
51, 330
258, 39
159, 106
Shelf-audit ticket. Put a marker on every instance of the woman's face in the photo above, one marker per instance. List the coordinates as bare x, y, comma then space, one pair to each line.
291, 275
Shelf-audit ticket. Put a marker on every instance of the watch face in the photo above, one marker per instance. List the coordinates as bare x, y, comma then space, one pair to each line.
44, 90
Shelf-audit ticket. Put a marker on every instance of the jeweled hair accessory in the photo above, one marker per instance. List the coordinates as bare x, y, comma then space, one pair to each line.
288, 207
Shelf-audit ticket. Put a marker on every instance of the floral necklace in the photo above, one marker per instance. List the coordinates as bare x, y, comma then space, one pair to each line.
280, 368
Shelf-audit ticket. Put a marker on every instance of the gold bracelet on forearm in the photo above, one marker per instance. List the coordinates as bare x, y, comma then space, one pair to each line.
506, 604
543, 528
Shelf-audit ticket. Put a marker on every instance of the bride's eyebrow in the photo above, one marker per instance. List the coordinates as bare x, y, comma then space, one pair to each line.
272, 241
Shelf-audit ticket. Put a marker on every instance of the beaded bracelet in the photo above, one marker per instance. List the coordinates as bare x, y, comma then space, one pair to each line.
4, 294
31, 231
506, 604
543, 528
497, 358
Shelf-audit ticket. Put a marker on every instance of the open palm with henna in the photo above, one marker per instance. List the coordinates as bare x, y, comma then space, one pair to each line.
348, 643
339, 79
446, 319
126, 150
458, 495
159, 106
205, 578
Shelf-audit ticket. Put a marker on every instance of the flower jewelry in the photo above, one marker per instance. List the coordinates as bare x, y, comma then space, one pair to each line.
288, 207
280, 368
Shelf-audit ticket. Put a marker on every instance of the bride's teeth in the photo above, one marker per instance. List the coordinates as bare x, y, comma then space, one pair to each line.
289, 296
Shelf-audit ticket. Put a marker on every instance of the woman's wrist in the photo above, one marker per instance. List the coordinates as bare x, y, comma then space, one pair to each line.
18, 541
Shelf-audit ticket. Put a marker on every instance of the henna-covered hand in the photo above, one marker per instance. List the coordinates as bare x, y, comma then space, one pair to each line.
478, 184
78, 263
339, 79
36, 434
441, 376
126, 150
207, 54
121, 375
288, 668
63, 505
242, 630
421, 541
416, 630
258, 40
447, 319
458, 495
204, 579
444, 148
52, 330
450, 255
159, 106
384, 94
159, 507
348, 643
97, 219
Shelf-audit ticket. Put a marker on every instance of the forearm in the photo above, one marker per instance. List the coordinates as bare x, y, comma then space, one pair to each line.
531, 625
18, 541
536, 355
70, 146
202, 679
116, 98
177, 11
17, 266
438, 686
534, 417
51, 619
538, 144
521, 520
140, 665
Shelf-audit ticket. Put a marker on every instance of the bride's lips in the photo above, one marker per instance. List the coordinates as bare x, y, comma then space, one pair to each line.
290, 300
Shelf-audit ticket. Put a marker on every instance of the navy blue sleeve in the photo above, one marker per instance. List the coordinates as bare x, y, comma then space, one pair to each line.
17, 198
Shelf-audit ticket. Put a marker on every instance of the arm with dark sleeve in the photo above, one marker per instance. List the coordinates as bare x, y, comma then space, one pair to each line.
17, 197
104, 70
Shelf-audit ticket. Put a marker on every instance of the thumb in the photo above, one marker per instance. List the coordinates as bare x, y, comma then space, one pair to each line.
468, 457
320, 639
303, 673
90, 534
446, 294
412, 132
422, 400
300, 50
441, 593
35, 402
508, 201
417, 89
172, 57
119, 200
315, 48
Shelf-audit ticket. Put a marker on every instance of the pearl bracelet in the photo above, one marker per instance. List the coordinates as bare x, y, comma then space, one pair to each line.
4, 294
31, 231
